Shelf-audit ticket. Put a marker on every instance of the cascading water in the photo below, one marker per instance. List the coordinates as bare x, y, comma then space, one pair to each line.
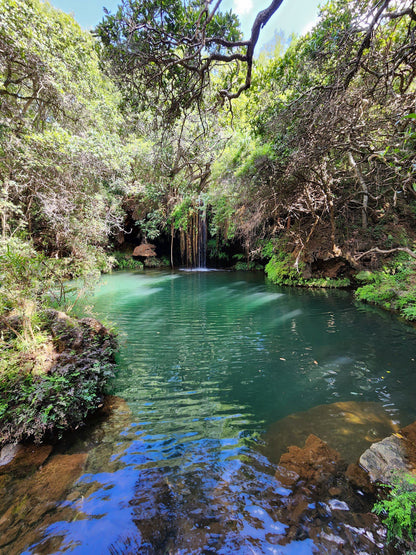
193, 240
202, 236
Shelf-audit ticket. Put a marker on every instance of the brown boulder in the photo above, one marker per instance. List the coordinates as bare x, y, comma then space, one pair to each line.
145, 249
384, 459
312, 463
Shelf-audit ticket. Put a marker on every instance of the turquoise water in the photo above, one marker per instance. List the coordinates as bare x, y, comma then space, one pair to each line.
208, 363
230, 344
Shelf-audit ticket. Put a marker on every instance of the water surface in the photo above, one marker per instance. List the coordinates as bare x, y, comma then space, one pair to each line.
209, 365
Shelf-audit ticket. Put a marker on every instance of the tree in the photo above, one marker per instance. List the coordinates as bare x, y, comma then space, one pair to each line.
333, 133
164, 52
62, 157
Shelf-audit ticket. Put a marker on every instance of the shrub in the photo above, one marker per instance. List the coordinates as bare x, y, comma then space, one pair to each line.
124, 261
393, 287
38, 401
398, 511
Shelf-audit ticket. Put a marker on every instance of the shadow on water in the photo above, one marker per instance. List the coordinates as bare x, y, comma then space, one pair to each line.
219, 374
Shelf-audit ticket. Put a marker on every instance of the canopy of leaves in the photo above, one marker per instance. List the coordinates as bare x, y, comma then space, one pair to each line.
62, 158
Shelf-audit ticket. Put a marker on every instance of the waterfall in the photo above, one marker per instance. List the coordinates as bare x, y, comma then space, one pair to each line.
202, 236
193, 239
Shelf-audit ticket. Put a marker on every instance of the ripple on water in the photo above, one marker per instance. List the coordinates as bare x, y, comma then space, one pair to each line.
208, 362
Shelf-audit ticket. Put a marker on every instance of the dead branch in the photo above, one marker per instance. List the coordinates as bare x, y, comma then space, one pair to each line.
389, 251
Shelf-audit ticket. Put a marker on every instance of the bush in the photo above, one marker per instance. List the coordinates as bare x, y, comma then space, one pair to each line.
42, 400
399, 509
125, 261
393, 287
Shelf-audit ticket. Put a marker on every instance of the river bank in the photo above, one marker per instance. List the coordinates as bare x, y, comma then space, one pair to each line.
57, 381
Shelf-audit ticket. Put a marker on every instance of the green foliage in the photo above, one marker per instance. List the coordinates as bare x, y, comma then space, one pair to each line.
125, 261
36, 403
181, 213
281, 270
215, 249
154, 262
28, 281
268, 248
393, 287
248, 266
399, 509
63, 162
170, 58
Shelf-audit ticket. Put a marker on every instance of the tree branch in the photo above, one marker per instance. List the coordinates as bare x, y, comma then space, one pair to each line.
389, 251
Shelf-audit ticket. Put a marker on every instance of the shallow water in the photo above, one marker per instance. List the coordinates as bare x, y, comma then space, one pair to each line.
211, 365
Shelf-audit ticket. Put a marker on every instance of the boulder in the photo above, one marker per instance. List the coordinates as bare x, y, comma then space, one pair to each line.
312, 463
385, 458
145, 250
349, 427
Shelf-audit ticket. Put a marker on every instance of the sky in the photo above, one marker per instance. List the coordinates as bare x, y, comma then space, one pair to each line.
293, 16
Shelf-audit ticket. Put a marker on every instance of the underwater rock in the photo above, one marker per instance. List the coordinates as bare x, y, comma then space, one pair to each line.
22, 459
35, 497
323, 505
348, 427
359, 478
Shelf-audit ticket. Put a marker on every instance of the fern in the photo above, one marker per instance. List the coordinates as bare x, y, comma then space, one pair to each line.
399, 509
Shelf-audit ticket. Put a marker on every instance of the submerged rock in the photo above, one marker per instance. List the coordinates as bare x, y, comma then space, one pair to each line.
33, 499
19, 459
324, 505
348, 427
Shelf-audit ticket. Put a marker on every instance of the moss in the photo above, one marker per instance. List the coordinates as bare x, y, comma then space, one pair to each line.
392, 288
281, 270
